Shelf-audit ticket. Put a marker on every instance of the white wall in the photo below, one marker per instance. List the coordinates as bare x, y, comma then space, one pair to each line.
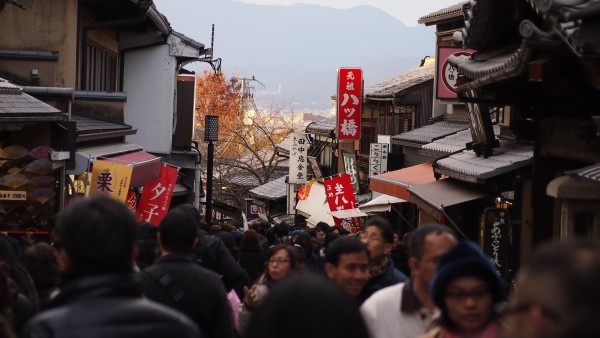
149, 81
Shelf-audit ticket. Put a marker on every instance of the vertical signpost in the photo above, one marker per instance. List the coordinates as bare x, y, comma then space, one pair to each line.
378, 158
496, 238
298, 159
349, 103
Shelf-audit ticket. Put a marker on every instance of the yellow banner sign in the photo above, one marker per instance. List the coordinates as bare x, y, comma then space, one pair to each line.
111, 179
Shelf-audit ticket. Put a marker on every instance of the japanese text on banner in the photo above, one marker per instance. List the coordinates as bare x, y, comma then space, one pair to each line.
340, 196
156, 196
298, 158
349, 103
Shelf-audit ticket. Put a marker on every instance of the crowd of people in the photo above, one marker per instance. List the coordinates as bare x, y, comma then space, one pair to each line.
107, 275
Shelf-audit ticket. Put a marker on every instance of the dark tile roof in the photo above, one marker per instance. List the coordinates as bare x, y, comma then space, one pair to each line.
86, 125
450, 12
15, 103
391, 86
244, 180
591, 172
323, 127
273, 190
467, 166
450, 144
431, 132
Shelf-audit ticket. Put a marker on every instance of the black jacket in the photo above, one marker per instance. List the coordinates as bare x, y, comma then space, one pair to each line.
212, 254
177, 281
252, 260
108, 306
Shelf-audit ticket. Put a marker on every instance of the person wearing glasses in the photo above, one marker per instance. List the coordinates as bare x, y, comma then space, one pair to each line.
379, 238
556, 293
467, 290
283, 260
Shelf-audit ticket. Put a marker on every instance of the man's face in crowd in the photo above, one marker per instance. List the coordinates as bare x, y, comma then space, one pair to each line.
351, 273
435, 246
319, 238
469, 303
373, 239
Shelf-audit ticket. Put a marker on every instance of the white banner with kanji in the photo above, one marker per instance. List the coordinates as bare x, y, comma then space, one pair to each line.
298, 158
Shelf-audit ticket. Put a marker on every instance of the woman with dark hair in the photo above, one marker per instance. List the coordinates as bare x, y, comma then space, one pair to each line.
44, 265
467, 290
283, 261
252, 258
307, 305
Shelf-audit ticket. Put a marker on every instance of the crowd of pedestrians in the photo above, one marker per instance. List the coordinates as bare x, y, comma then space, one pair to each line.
106, 275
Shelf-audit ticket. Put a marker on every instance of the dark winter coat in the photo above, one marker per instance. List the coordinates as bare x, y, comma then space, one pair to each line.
390, 277
176, 281
108, 305
252, 260
212, 254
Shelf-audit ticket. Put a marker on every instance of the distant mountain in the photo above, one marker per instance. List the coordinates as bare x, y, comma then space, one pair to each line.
300, 47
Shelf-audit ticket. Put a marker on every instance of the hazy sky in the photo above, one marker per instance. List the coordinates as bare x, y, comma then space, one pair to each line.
407, 11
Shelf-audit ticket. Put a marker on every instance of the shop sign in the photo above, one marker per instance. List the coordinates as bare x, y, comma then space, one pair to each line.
351, 168
298, 158
349, 103
7, 195
447, 74
496, 238
251, 209
378, 158
340, 196
111, 179
156, 196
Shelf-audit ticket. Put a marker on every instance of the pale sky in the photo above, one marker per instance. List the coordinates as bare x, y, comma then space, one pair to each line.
406, 11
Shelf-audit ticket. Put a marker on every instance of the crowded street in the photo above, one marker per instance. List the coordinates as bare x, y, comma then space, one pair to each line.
311, 169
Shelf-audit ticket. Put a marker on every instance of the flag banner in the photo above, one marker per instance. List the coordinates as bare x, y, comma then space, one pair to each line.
378, 158
349, 103
110, 179
340, 196
156, 196
298, 158
131, 200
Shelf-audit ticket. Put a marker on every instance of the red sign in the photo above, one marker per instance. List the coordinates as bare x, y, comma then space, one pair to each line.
349, 103
340, 196
156, 196
447, 74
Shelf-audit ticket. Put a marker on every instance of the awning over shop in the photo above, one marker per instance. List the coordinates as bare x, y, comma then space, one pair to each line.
314, 201
396, 183
348, 213
381, 203
146, 167
573, 187
434, 196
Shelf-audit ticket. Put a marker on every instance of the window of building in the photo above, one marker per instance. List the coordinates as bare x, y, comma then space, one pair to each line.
101, 72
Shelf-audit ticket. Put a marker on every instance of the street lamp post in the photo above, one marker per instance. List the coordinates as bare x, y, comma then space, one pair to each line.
211, 133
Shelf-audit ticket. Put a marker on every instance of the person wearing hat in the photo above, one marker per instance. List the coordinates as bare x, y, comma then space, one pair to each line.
467, 290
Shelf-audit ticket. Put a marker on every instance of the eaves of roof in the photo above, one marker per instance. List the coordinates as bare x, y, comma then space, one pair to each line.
429, 133
273, 190
450, 12
324, 127
389, 88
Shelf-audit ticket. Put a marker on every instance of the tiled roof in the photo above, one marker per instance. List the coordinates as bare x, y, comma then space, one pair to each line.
429, 133
591, 172
273, 190
15, 103
284, 147
325, 126
450, 144
468, 166
389, 87
449, 12
87, 125
244, 180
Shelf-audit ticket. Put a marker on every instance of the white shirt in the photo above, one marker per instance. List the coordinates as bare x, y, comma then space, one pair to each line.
384, 318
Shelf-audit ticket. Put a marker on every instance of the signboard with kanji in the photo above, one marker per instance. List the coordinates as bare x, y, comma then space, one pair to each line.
156, 196
111, 179
351, 168
349, 103
448, 74
298, 158
340, 196
378, 158
496, 238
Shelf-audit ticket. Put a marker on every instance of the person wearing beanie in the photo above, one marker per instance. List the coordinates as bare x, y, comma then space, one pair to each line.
467, 290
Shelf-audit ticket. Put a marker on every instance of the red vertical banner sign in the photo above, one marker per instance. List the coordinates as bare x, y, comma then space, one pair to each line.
349, 103
156, 196
340, 196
